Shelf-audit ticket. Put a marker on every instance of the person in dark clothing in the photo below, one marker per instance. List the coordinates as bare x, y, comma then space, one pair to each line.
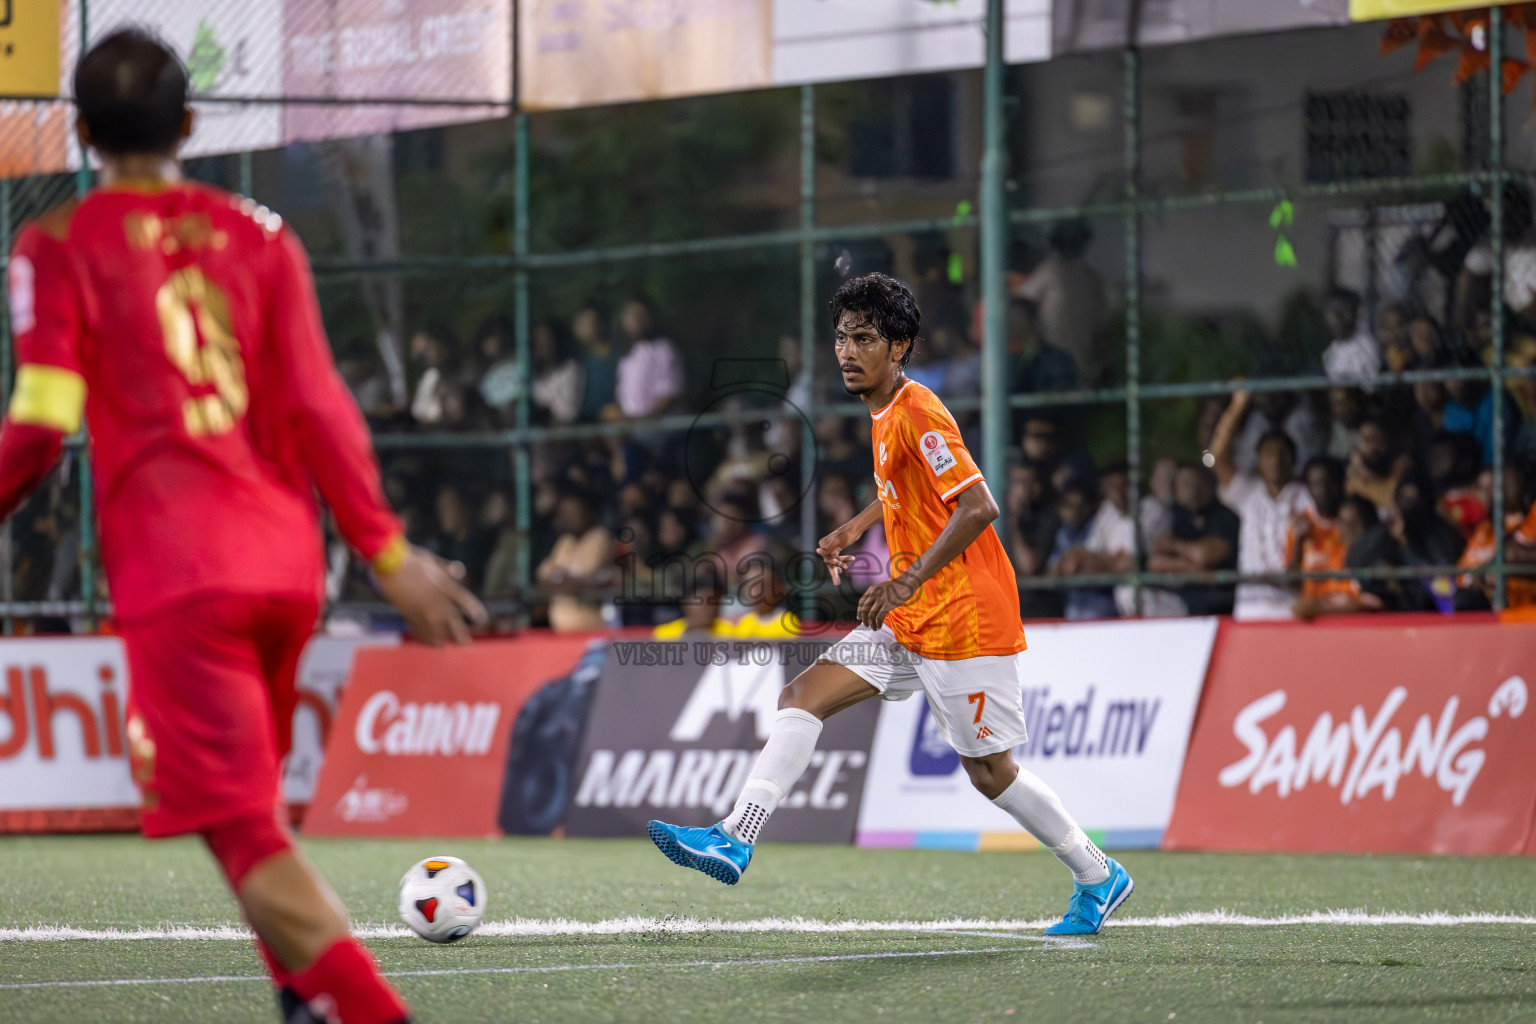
1203, 538
1034, 522
1427, 539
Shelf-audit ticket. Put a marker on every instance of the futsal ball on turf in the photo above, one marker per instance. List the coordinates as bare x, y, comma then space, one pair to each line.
442, 899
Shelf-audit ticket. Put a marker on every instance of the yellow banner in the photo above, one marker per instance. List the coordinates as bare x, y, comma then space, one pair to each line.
29, 47
1374, 10
579, 54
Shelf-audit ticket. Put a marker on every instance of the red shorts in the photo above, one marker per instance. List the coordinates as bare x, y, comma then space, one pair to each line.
210, 706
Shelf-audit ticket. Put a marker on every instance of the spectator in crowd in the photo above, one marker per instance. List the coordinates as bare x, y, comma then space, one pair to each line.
1270, 411
1425, 343
1346, 410
1426, 539
580, 568
364, 374
557, 378
499, 379
1375, 466
649, 375
1454, 463
438, 400
1042, 366
964, 377
1353, 539
1204, 538
843, 450
456, 538
1353, 354
499, 582
700, 605
1156, 515
1392, 337
599, 364
1069, 295
1076, 508
1266, 503
1469, 410
732, 535
1474, 590
1044, 443
930, 363
1033, 522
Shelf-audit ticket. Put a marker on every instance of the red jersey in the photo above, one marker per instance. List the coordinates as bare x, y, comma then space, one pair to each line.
184, 318
970, 607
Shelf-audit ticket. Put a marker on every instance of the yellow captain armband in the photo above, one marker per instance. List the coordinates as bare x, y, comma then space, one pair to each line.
47, 396
392, 556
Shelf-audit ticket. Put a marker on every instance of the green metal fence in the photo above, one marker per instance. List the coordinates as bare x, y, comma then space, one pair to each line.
994, 215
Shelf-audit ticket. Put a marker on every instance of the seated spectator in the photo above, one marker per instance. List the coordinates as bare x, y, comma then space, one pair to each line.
1156, 515
1353, 354
1266, 503
1033, 523
1203, 539
438, 401
1474, 590
1069, 295
498, 380
457, 539
557, 380
500, 578
1469, 410
1454, 463
700, 608
1075, 509
930, 363
1426, 539
1346, 410
733, 534
1044, 443
1352, 539
1267, 412
1042, 366
599, 364
579, 569
649, 376
1392, 337
1375, 466
1426, 343
964, 379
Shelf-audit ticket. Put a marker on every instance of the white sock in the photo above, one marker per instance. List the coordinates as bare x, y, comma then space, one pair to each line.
784, 758
1036, 806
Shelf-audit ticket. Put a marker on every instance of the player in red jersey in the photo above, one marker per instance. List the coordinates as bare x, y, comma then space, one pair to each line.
946, 624
182, 322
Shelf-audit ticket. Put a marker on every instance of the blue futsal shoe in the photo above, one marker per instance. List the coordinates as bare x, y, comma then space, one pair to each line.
1092, 904
708, 850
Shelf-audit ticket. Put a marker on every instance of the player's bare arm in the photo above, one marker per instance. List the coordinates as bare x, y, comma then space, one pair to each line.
975, 510
831, 546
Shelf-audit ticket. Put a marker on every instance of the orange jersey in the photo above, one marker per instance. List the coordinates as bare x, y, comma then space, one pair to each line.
970, 607
1322, 550
1519, 591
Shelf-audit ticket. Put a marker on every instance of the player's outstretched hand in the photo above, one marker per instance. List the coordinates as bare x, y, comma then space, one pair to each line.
436, 606
830, 546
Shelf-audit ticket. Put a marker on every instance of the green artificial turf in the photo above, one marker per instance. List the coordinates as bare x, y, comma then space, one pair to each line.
1297, 972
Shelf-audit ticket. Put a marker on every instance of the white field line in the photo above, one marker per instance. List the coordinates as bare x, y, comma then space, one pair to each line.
551, 969
635, 925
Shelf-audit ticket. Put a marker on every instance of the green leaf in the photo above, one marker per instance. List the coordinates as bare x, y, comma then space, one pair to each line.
1285, 256
206, 59
1283, 215
956, 268
962, 210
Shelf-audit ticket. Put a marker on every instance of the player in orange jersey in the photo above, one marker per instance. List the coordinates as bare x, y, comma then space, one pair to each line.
946, 623
180, 321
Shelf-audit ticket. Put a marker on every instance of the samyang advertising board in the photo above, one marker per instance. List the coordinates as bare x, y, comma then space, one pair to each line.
1109, 708
1378, 736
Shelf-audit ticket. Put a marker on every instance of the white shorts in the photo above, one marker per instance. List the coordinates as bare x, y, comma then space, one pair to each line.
976, 700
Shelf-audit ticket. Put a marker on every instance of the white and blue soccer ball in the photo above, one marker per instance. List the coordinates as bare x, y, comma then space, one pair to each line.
442, 899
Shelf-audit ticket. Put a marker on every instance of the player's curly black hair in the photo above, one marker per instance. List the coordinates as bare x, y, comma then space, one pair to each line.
882, 302
131, 91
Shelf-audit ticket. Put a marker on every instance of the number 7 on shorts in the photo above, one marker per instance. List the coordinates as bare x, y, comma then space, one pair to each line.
980, 700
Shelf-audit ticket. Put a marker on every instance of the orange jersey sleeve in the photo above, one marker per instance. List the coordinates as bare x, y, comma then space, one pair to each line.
970, 607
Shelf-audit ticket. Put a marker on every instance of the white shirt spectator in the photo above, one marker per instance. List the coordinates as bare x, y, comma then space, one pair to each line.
1264, 523
559, 391
648, 375
1519, 272
1112, 532
1356, 358
1301, 424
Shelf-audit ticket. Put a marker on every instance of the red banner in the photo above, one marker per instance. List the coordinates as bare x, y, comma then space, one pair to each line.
420, 743
1392, 736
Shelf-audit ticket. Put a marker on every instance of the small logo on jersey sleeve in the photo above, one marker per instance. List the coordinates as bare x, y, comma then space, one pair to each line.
936, 451
23, 301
